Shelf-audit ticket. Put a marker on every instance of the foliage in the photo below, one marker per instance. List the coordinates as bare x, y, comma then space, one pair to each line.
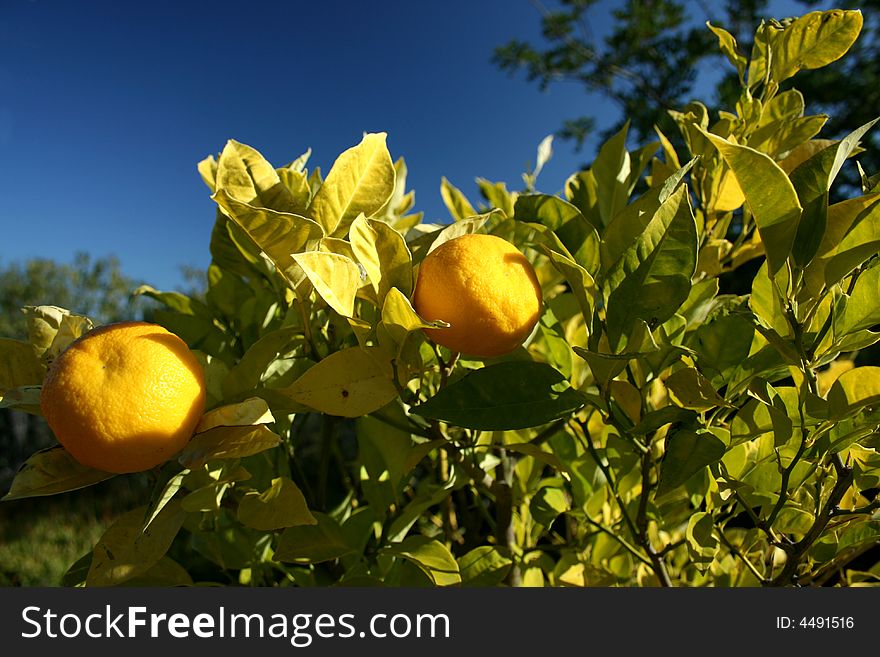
659, 51
650, 431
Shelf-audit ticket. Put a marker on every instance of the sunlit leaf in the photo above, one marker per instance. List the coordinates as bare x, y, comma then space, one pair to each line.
430, 556
456, 202
51, 471
248, 412
360, 181
335, 277
349, 383
769, 194
227, 443
126, 550
384, 254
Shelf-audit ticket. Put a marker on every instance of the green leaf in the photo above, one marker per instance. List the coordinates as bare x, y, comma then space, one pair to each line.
690, 389
537, 453
770, 195
861, 310
611, 169
497, 195
456, 202
853, 390
252, 368
227, 443
400, 318
484, 566
279, 235
384, 254
126, 550
281, 505
630, 222
652, 278
244, 175
335, 277
701, 544
360, 181
547, 504
860, 244
476, 224
51, 329
244, 413
812, 180
813, 41
507, 395
384, 450
565, 220
348, 383
582, 285
19, 365
166, 494
52, 471
727, 44
431, 556
316, 543
687, 452
25, 399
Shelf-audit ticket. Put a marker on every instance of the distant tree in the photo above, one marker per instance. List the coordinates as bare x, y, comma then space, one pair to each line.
650, 60
88, 286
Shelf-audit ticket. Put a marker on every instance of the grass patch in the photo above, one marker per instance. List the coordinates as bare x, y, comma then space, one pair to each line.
41, 538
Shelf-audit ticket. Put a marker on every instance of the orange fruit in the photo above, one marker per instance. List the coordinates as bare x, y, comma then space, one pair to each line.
124, 397
485, 288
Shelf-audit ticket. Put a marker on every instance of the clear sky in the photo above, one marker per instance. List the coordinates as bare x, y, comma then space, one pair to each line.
106, 106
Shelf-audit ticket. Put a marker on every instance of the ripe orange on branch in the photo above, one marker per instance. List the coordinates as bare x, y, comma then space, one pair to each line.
124, 397
487, 291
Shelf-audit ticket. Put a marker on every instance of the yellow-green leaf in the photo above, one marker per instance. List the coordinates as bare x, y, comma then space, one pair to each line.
51, 329
399, 317
244, 175
384, 254
19, 365
360, 181
690, 389
769, 194
349, 383
853, 390
281, 505
431, 556
52, 471
456, 202
126, 551
335, 277
813, 41
245, 413
280, 235
227, 443
861, 310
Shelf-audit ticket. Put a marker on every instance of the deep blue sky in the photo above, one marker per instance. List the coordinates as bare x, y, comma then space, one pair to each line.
107, 106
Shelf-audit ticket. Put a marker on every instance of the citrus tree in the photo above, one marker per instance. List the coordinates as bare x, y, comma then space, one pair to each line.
608, 416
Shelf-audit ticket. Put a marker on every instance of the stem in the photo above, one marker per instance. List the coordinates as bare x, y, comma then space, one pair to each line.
504, 530
736, 552
587, 442
642, 523
307, 327
799, 549
450, 521
623, 542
